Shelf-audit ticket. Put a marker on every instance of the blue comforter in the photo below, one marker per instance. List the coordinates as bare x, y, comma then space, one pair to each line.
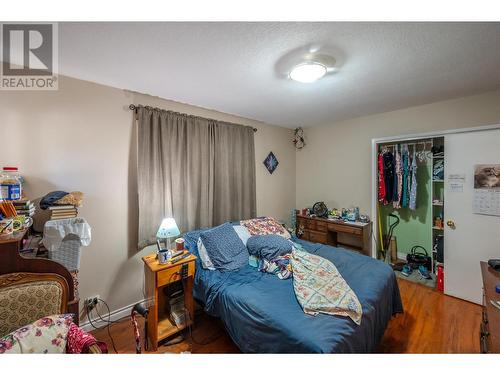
262, 315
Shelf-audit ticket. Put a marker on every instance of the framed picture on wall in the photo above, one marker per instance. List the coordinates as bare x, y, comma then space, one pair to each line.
271, 162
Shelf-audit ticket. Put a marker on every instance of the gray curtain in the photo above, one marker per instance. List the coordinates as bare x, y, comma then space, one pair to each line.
199, 171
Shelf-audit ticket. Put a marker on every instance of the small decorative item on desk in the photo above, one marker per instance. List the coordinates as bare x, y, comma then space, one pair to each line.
300, 231
168, 229
320, 209
335, 214
350, 214
364, 218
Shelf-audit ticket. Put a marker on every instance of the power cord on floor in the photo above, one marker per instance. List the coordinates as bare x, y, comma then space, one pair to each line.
209, 340
107, 321
191, 336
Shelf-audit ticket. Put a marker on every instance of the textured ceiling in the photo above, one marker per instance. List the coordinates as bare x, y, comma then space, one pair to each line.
240, 68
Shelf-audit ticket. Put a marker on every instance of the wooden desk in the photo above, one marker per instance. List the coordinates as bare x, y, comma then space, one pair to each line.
158, 276
335, 232
490, 326
13, 242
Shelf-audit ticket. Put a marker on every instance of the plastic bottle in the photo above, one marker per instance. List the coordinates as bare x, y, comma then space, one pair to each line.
10, 184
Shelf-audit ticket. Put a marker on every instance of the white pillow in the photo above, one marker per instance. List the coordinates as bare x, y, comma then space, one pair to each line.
206, 262
242, 233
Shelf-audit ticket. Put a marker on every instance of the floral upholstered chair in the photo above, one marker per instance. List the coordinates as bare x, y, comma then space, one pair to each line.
38, 310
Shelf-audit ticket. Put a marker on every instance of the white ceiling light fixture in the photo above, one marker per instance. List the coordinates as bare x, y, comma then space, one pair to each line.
308, 72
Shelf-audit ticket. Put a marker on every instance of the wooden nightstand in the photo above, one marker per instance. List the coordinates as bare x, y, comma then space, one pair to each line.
157, 277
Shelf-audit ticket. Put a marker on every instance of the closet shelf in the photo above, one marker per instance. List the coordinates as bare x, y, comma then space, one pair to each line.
438, 204
437, 228
437, 180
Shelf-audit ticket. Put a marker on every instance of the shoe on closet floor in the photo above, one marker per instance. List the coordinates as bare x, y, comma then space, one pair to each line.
424, 272
406, 271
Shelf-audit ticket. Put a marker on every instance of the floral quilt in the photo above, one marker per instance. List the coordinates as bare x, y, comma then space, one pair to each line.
320, 288
265, 225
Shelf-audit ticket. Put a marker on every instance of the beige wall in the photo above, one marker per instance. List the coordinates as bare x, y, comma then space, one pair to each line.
335, 166
81, 138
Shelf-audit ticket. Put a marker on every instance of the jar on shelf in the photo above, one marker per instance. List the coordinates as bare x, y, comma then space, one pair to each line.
10, 184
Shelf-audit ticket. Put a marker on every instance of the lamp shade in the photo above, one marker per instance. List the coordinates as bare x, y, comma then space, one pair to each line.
168, 228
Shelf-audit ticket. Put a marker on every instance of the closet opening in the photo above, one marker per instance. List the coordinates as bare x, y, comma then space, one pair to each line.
410, 208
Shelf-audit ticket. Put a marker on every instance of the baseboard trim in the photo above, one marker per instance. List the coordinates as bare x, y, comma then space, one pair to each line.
115, 315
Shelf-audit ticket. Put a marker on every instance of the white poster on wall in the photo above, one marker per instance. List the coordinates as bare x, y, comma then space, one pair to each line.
487, 189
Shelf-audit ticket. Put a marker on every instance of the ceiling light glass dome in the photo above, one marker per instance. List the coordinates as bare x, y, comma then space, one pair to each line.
308, 72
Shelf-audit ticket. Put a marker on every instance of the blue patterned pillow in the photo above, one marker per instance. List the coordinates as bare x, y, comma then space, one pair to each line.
269, 246
225, 248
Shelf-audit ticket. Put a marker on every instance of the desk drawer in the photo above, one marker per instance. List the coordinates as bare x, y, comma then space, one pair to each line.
345, 229
310, 224
173, 274
321, 226
317, 236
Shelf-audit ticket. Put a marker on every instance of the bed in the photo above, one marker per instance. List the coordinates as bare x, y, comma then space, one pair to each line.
261, 313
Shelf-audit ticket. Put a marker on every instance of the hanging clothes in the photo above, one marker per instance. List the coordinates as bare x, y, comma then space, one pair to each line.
381, 179
398, 180
405, 166
413, 188
388, 176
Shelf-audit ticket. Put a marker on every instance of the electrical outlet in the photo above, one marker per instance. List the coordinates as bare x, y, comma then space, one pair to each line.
91, 302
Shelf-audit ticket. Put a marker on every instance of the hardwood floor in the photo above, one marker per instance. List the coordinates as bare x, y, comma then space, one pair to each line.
432, 323
206, 330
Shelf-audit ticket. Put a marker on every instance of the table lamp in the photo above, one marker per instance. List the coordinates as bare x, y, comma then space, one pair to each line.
167, 230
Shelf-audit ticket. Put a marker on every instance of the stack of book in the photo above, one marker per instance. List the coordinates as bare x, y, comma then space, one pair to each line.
63, 212
24, 207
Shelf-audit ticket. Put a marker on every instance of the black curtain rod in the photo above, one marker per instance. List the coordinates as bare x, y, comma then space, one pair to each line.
134, 107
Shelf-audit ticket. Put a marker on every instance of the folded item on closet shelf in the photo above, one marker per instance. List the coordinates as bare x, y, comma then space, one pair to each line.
437, 150
438, 170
